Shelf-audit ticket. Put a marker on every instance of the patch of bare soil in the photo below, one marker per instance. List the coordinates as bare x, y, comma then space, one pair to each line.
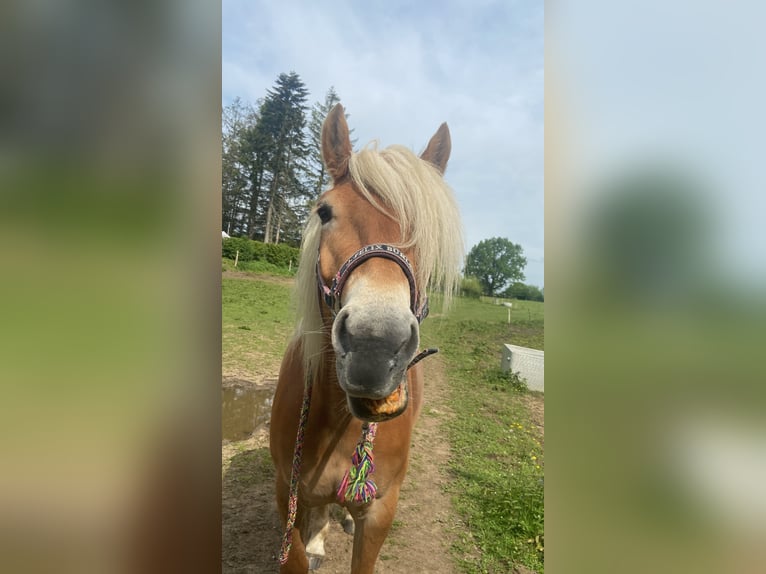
423, 529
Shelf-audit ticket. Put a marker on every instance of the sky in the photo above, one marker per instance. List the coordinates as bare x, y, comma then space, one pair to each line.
403, 68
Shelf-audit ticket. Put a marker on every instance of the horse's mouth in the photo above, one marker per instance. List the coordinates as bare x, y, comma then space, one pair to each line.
378, 410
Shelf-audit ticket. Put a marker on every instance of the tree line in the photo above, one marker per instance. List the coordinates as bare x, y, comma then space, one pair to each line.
272, 169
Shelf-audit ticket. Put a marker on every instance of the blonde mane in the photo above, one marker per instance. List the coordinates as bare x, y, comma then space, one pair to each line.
411, 191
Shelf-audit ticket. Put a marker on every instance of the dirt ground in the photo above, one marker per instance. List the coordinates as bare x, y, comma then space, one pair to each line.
424, 527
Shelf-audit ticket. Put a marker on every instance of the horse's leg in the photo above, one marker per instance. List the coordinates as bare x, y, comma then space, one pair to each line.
316, 522
372, 526
347, 522
297, 563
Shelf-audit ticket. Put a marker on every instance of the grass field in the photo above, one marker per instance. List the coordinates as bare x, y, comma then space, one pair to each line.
263, 267
497, 445
257, 321
496, 435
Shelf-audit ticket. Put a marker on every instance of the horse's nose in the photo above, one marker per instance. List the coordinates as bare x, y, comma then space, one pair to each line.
383, 331
371, 344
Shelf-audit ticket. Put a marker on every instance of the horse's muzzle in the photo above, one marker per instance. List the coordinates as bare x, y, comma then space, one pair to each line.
372, 350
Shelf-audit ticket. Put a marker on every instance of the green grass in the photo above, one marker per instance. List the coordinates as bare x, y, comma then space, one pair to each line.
261, 267
257, 319
525, 329
497, 457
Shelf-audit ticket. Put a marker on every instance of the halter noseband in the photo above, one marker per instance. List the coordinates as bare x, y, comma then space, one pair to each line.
331, 295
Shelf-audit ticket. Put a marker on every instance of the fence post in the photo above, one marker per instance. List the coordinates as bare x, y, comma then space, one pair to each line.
236, 258
509, 305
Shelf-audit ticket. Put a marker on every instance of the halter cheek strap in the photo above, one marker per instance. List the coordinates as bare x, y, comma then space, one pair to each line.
332, 295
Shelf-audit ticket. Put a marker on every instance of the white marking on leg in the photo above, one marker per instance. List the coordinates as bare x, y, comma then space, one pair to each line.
317, 525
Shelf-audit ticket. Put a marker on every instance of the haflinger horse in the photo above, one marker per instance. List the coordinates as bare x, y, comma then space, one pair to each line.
386, 231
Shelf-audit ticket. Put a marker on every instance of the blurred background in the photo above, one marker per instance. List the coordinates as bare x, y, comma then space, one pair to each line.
656, 288
109, 302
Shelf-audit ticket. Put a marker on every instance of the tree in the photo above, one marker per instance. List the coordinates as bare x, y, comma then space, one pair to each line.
318, 175
272, 168
238, 119
258, 150
281, 125
495, 262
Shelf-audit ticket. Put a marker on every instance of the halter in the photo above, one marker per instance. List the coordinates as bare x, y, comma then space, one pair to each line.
331, 295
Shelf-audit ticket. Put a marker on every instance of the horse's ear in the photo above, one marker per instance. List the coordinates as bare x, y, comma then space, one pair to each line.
336, 143
438, 149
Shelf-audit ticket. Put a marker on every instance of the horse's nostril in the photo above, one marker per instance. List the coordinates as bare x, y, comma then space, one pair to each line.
414, 341
340, 328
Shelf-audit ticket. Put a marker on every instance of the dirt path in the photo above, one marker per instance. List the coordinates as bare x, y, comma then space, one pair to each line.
423, 529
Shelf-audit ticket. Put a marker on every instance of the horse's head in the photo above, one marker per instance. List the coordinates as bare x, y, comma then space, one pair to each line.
375, 330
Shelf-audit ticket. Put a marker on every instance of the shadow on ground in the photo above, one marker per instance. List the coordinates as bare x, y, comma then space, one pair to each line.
251, 529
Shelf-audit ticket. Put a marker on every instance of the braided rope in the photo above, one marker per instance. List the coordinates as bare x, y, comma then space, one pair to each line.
356, 485
292, 505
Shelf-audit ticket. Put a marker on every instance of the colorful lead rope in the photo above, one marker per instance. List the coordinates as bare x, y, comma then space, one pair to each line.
295, 474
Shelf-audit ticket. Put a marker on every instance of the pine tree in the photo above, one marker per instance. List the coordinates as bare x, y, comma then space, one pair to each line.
258, 149
280, 129
319, 178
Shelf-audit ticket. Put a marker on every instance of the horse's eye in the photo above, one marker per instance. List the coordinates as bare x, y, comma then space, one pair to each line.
324, 212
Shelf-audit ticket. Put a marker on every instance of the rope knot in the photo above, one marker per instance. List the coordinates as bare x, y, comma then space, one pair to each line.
357, 486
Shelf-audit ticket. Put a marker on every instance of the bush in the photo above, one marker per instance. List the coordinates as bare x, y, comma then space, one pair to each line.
523, 292
242, 244
279, 254
259, 250
470, 287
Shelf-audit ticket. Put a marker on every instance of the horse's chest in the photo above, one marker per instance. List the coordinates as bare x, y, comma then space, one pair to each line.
320, 478
323, 472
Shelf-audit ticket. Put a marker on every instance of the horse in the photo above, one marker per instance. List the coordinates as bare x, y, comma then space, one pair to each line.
387, 231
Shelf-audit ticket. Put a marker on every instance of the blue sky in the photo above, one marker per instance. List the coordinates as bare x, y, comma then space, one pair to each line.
400, 70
